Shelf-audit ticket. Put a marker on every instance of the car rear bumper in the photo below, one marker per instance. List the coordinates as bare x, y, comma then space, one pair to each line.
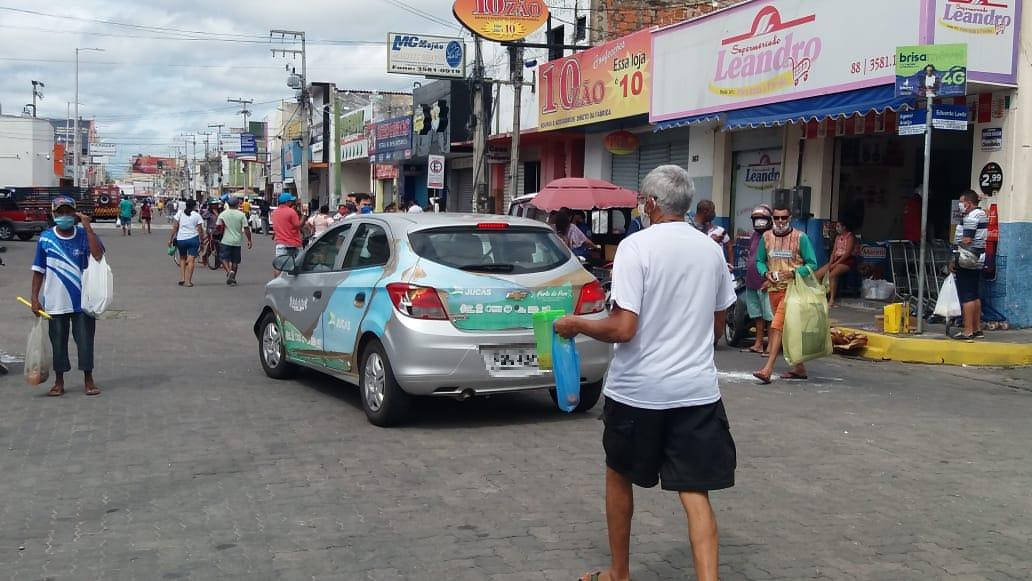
435, 358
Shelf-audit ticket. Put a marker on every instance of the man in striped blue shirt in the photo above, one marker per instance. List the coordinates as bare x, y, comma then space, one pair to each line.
62, 255
972, 234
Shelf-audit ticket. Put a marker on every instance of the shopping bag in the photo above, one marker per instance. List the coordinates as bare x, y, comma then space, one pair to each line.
948, 305
566, 369
39, 356
807, 332
98, 287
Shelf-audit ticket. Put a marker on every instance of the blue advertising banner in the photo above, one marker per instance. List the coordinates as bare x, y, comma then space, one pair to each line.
952, 117
931, 70
248, 143
391, 140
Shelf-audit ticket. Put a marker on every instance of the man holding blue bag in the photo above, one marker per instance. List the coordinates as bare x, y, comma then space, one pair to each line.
664, 418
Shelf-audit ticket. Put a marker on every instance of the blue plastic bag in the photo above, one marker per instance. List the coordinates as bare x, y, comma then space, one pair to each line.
566, 368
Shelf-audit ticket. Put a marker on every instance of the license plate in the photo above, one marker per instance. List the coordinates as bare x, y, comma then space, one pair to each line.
510, 359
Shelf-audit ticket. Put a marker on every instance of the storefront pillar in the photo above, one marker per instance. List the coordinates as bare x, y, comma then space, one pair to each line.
723, 176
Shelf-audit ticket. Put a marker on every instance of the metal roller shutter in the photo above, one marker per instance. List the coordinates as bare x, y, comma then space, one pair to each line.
651, 156
679, 154
461, 196
625, 171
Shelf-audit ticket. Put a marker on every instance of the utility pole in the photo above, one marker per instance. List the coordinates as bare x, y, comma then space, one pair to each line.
207, 166
480, 130
244, 169
37, 91
516, 76
191, 158
302, 183
218, 147
75, 137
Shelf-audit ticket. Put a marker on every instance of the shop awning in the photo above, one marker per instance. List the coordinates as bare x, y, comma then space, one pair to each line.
687, 121
834, 106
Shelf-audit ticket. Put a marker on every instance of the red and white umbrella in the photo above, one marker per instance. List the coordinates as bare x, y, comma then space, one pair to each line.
583, 194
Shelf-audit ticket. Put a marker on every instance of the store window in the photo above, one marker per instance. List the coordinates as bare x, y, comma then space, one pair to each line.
531, 177
581, 31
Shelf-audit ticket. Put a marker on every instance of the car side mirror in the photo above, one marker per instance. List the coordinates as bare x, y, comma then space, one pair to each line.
285, 263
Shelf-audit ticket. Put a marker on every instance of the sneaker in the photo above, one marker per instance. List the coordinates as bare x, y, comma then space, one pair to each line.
979, 335
960, 336
231, 278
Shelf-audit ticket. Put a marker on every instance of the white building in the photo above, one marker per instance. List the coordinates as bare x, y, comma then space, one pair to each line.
27, 152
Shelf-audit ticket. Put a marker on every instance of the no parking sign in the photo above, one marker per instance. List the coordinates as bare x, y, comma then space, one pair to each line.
435, 173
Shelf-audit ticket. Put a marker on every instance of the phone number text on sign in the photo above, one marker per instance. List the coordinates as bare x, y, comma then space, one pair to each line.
873, 65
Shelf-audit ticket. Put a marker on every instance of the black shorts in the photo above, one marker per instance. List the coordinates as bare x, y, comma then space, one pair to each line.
969, 282
690, 448
229, 253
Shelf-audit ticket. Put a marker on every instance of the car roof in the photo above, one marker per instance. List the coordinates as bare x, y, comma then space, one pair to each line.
404, 222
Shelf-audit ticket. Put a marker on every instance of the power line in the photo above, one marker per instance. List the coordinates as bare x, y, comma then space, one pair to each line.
183, 65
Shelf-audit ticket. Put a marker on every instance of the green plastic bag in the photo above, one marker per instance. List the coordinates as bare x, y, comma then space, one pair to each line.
807, 333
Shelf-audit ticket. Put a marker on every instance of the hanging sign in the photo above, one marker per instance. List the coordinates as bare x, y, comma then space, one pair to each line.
501, 20
990, 180
992, 139
931, 70
621, 142
912, 123
433, 56
988, 27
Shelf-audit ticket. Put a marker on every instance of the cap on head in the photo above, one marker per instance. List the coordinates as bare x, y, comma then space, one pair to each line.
61, 202
285, 198
233, 201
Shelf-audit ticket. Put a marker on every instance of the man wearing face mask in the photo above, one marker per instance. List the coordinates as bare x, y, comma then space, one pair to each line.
62, 255
639, 222
756, 300
784, 254
971, 235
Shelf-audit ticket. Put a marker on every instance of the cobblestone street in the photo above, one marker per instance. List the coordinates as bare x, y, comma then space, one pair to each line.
194, 465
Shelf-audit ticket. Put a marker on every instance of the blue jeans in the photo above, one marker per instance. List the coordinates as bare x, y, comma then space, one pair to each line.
83, 328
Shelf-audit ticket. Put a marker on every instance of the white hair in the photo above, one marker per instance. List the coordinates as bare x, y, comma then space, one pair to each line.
671, 187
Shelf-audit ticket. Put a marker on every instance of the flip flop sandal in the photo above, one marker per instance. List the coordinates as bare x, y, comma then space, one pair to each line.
93, 391
55, 393
765, 379
182, 282
750, 350
792, 375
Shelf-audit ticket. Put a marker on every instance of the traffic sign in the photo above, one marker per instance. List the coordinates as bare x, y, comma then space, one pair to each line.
435, 173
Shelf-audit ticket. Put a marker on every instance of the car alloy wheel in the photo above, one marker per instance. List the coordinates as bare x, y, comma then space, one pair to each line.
6, 231
272, 345
375, 383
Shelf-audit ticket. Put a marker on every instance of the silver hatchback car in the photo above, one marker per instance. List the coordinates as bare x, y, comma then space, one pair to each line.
427, 304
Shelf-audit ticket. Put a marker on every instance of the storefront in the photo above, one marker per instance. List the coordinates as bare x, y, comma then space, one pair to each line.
802, 106
390, 145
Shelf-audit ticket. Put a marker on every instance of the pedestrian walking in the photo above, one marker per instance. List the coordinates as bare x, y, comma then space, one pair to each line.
234, 228
665, 421
286, 225
62, 254
187, 233
756, 301
126, 211
970, 242
263, 213
145, 217
784, 254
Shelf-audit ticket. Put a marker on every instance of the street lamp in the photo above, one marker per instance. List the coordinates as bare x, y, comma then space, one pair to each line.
75, 136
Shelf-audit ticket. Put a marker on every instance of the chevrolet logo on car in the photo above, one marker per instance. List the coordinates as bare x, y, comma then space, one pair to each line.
517, 295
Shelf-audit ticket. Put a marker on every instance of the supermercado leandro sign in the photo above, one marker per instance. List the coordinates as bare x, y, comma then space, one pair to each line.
777, 50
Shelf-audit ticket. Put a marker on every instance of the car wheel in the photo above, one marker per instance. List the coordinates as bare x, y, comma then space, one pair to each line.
736, 323
589, 396
6, 231
25, 235
272, 351
383, 400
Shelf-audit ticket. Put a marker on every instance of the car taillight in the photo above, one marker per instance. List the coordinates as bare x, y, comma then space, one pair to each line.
592, 299
418, 302
492, 226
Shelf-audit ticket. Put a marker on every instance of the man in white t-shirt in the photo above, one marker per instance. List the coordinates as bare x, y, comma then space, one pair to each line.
664, 418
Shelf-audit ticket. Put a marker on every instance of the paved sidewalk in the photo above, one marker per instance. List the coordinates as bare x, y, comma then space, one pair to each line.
194, 465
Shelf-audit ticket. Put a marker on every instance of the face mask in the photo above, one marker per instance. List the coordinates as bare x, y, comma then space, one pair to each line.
782, 228
840, 229
962, 206
645, 220
761, 224
64, 222
367, 210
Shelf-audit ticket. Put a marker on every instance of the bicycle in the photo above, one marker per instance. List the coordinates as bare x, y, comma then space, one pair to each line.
209, 254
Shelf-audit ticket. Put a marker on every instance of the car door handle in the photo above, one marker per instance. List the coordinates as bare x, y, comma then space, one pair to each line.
359, 299
317, 294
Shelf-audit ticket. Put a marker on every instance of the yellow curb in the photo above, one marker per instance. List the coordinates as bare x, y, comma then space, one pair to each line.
944, 351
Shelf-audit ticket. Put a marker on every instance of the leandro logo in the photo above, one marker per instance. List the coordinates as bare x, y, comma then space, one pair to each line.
977, 16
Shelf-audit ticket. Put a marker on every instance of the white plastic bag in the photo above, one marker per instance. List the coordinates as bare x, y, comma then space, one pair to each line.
948, 305
39, 356
98, 287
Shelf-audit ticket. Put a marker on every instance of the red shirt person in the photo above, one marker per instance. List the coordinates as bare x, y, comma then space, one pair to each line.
286, 226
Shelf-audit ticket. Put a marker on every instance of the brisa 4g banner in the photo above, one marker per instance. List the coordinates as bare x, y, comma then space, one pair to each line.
935, 70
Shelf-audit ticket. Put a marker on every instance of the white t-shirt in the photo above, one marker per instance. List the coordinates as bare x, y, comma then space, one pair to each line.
188, 225
674, 278
415, 209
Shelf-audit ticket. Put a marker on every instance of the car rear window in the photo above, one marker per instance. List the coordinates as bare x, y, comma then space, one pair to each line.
512, 250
